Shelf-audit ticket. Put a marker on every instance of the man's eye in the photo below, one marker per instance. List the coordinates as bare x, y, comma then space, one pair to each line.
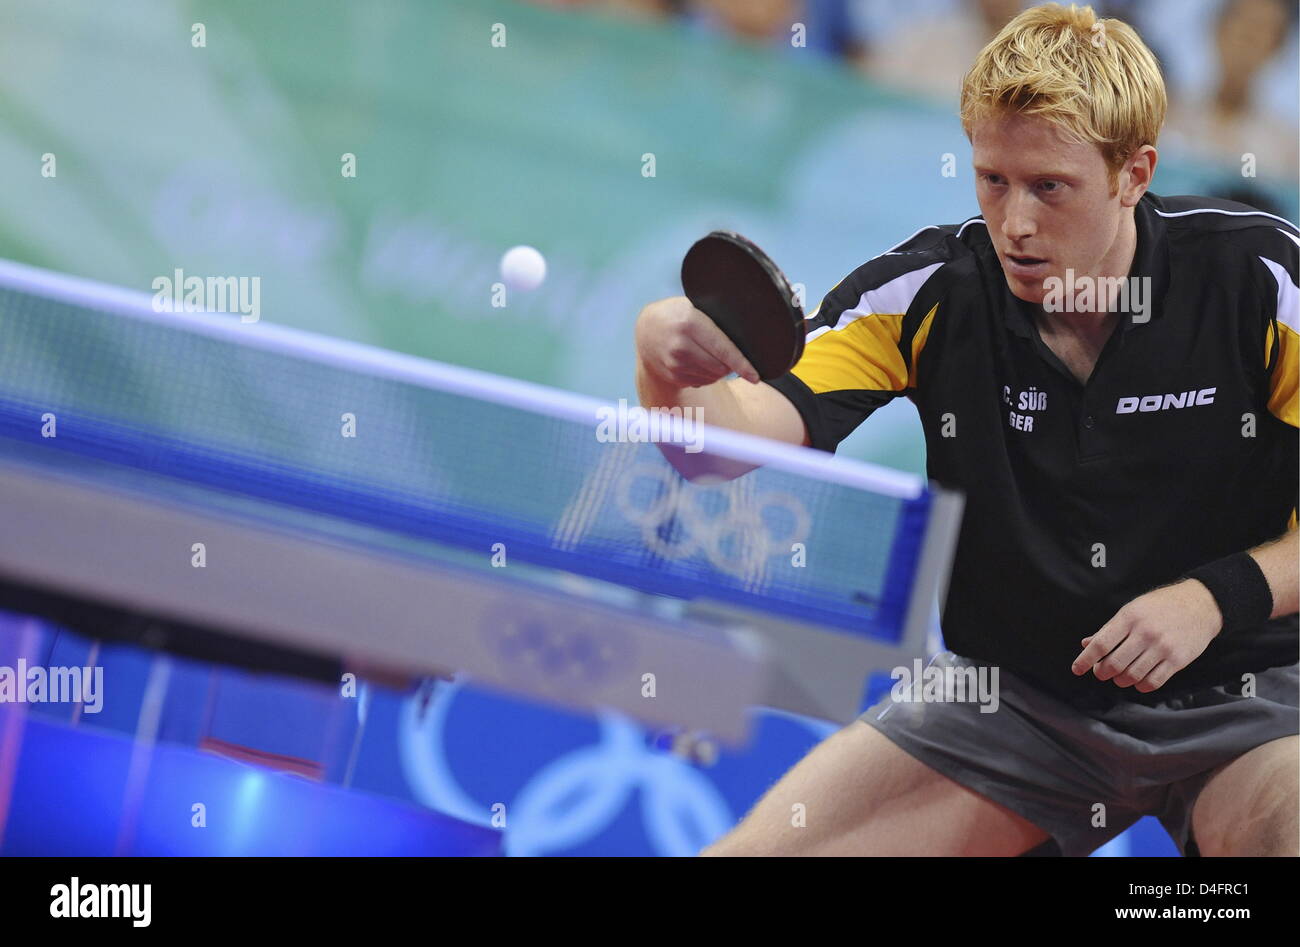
1050, 186
992, 178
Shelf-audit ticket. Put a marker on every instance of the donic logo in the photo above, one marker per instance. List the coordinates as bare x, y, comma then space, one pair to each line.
1169, 402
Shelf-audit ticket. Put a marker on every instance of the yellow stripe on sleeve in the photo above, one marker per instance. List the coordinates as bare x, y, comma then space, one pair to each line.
1285, 383
863, 356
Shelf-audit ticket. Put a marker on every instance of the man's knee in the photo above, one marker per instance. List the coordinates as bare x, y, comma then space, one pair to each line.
1268, 829
1252, 807
1273, 835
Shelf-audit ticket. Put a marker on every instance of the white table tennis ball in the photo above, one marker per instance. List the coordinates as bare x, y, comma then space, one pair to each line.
523, 268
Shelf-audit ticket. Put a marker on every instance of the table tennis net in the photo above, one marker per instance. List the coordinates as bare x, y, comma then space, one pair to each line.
514, 472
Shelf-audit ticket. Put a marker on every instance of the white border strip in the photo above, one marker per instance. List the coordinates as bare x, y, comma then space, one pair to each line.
361, 358
1230, 213
904, 242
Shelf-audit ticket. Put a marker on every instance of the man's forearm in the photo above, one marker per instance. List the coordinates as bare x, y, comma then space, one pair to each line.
1279, 560
715, 404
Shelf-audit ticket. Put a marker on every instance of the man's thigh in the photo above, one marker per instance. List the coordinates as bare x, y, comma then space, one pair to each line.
857, 793
1250, 806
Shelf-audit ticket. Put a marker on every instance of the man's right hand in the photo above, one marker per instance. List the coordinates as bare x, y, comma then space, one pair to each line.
681, 346
682, 359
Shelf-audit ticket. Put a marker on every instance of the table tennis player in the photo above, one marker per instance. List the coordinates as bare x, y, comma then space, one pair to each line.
1110, 377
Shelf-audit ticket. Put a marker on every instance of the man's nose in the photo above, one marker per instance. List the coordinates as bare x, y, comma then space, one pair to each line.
1018, 224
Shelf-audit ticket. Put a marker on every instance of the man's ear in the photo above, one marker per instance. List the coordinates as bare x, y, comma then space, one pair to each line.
1135, 177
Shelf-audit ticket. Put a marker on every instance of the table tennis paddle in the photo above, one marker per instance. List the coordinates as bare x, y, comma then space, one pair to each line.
737, 285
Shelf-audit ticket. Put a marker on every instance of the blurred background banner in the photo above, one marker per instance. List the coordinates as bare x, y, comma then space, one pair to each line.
370, 163
609, 141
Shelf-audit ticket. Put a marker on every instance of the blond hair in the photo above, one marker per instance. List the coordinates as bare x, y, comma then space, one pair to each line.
1093, 78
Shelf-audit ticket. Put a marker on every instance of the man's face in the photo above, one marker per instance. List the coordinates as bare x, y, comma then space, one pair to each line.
1047, 202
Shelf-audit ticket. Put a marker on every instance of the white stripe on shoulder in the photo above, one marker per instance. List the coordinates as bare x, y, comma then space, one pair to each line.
890, 251
890, 298
908, 240
1288, 296
1229, 213
1290, 236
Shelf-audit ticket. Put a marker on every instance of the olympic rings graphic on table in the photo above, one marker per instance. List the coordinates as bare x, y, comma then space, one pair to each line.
548, 646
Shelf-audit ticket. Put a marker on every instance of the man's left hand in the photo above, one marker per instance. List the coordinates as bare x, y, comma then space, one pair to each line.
1153, 637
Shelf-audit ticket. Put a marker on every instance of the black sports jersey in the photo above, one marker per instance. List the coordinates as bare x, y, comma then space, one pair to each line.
1181, 448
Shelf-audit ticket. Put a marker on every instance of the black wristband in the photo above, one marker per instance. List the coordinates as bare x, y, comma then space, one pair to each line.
1238, 585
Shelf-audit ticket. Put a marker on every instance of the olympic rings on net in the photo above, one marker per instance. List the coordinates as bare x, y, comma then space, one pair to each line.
675, 524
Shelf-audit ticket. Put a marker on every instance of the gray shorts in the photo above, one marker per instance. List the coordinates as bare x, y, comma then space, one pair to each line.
1052, 763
